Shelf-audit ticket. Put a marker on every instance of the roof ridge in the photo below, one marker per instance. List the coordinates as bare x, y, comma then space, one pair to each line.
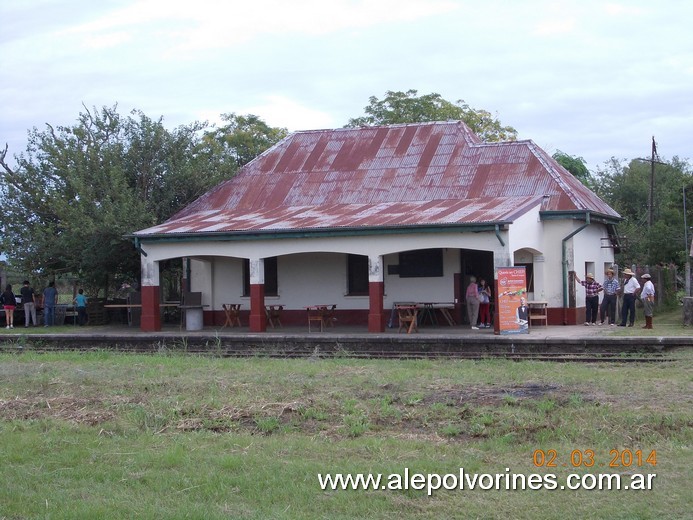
541, 157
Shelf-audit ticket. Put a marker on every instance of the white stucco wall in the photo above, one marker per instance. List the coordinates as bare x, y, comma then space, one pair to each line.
314, 270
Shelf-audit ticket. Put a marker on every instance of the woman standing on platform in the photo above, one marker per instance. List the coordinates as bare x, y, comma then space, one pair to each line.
484, 304
10, 304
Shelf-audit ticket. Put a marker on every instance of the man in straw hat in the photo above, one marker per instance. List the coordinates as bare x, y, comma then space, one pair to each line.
648, 296
592, 290
630, 288
611, 288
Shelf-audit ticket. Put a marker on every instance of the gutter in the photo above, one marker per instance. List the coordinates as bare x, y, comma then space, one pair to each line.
498, 236
564, 264
138, 246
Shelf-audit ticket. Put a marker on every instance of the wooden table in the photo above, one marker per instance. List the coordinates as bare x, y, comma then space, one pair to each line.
429, 309
130, 306
232, 311
322, 313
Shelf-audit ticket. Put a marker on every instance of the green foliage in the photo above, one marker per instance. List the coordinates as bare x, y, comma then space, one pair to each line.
79, 190
575, 165
626, 188
408, 107
242, 139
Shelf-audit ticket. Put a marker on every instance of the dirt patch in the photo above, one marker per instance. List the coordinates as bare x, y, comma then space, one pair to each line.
78, 410
497, 394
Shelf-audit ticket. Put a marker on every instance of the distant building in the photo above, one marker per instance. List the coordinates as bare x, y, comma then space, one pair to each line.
365, 217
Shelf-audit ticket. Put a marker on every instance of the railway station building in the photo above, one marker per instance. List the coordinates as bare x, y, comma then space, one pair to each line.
363, 218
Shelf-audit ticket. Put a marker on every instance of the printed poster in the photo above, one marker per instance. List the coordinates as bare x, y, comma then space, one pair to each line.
511, 288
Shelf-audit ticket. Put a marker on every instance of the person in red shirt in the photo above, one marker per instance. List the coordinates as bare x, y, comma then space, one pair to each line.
592, 290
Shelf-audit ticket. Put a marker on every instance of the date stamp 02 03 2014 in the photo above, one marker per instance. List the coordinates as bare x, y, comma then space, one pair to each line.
587, 458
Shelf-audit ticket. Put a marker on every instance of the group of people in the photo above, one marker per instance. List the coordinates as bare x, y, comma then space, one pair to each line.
612, 288
50, 300
478, 301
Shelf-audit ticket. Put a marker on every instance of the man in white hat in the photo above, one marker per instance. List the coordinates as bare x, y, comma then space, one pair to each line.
648, 296
592, 290
630, 288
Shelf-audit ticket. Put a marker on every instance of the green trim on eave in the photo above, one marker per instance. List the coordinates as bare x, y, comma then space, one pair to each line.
580, 215
272, 235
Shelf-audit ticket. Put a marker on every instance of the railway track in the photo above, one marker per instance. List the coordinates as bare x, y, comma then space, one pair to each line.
297, 353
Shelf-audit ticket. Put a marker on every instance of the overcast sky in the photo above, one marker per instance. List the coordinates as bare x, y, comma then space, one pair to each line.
591, 78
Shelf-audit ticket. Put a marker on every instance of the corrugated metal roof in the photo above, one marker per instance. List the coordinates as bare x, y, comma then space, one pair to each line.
342, 216
401, 175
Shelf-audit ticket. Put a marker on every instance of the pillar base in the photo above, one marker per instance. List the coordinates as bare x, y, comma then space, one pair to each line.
376, 321
150, 320
258, 318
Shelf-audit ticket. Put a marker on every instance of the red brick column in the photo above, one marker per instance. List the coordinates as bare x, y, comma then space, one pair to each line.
258, 319
151, 317
376, 320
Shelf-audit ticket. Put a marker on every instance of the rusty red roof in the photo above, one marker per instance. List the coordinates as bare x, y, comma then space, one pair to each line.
424, 174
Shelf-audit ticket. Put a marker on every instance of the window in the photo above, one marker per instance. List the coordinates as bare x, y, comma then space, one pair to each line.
357, 275
271, 283
421, 263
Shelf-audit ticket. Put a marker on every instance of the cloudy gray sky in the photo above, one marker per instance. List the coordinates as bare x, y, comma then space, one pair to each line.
595, 79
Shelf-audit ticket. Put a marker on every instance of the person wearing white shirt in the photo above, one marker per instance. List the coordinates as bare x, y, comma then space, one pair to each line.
648, 296
630, 288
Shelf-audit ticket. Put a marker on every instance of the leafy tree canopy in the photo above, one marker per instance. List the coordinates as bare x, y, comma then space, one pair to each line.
79, 190
575, 165
626, 187
409, 107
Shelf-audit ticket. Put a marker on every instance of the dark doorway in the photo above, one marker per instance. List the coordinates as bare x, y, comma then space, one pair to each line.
473, 263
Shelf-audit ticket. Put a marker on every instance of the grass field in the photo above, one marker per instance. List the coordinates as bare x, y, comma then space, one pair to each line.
106, 435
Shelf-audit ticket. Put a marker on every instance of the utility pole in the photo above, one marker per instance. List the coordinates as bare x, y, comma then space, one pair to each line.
685, 223
650, 202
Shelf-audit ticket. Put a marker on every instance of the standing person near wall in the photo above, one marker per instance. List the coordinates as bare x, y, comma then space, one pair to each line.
50, 299
592, 290
472, 300
29, 304
630, 288
611, 288
9, 303
80, 302
648, 297
484, 304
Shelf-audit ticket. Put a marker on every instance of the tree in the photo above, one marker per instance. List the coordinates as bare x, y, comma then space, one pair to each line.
575, 165
79, 190
626, 186
242, 139
407, 107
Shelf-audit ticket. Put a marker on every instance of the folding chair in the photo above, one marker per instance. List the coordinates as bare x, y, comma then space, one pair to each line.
232, 311
407, 319
273, 313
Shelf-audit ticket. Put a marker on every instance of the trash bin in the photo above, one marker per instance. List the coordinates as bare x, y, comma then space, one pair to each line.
193, 318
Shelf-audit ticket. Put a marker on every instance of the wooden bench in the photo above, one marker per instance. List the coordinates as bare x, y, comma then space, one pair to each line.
538, 311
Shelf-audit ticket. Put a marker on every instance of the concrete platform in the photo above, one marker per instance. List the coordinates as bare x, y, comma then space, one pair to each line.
347, 341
